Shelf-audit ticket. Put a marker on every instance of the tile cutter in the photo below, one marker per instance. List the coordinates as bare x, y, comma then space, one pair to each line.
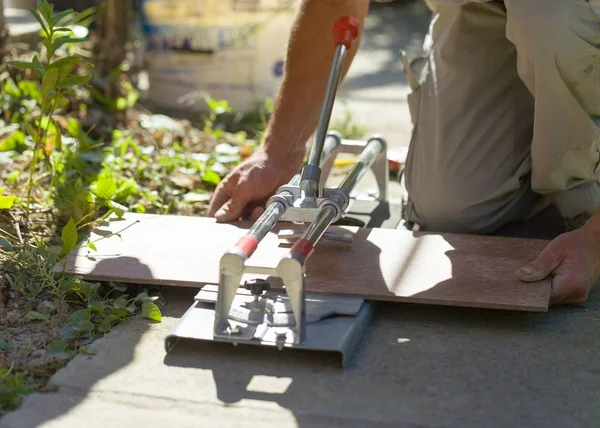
253, 313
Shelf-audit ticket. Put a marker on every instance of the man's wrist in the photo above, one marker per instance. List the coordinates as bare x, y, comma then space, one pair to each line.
284, 150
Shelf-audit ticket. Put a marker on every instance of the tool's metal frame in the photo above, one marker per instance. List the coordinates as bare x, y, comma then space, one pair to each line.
291, 203
305, 199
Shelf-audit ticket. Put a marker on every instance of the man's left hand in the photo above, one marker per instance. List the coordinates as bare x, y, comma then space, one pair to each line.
573, 261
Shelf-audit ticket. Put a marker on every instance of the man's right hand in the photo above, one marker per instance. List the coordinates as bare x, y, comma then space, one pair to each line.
245, 190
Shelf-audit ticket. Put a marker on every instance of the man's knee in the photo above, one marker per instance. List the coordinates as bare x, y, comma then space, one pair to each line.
462, 207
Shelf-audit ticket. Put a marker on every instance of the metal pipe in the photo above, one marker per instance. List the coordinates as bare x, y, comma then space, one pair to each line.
267, 220
373, 148
330, 145
317, 228
335, 76
303, 248
248, 243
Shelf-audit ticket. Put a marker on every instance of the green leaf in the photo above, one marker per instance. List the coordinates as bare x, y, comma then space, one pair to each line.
118, 286
11, 88
81, 314
64, 40
31, 130
211, 177
49, 81
88, 350
151, 311
24, 65
45, 9
86, 17
73, 81
13, 176
69, 237
31, 315
14, 142
218, 106
38, 16
120, 303
66, 61
91, 245
83, 326
5, 244
57, 17
97, 306
127, 188
117, 208
69, 332
120, 313
6, 202
59, 349
104, 188
104, 327
144, 297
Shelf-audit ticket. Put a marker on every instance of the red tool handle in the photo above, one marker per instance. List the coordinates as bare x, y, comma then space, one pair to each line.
302, 248
247, 244
345, 31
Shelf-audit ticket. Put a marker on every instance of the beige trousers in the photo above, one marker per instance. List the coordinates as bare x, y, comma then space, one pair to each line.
506, 115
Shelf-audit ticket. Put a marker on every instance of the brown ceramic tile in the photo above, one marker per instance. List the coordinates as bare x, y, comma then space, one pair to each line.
382, 264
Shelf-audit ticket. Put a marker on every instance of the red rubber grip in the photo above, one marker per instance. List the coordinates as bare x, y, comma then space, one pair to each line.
302, 248
345, 31
247, 244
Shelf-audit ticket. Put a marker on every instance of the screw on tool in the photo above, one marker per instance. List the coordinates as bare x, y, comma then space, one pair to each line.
257, 286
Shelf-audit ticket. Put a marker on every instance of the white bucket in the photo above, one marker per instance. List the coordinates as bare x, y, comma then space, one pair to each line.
227, 49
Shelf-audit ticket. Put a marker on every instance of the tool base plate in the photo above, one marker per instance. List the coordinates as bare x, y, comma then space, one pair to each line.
339, 334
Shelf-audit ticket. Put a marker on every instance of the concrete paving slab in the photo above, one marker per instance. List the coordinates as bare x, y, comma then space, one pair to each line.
418, 366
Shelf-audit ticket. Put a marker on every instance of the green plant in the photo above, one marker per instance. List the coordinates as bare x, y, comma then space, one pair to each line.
348, 127
103, 308
57, 78
14, 386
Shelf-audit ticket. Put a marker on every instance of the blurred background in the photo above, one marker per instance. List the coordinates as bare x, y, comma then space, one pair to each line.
182, 50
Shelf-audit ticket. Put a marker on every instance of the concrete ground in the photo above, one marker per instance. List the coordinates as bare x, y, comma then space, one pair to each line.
418, 366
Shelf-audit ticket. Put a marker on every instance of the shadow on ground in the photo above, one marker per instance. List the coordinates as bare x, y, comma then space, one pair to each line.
424, 366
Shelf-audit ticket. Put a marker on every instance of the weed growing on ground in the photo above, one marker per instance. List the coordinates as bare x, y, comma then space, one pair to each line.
69, 159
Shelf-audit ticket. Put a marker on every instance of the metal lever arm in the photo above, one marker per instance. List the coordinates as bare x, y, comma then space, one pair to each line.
345, 32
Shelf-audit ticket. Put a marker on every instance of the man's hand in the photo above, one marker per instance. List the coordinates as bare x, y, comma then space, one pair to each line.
573, 261
244, 190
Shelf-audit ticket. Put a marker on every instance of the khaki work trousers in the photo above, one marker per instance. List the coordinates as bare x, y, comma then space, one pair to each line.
506, 115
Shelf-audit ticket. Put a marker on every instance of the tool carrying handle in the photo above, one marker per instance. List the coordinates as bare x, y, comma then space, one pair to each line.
345, 31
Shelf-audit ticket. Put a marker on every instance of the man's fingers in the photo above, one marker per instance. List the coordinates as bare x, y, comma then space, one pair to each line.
256, 213
541, 268
220, 197
231, 210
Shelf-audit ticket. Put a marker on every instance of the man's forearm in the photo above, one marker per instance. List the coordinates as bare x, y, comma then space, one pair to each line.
309, 58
